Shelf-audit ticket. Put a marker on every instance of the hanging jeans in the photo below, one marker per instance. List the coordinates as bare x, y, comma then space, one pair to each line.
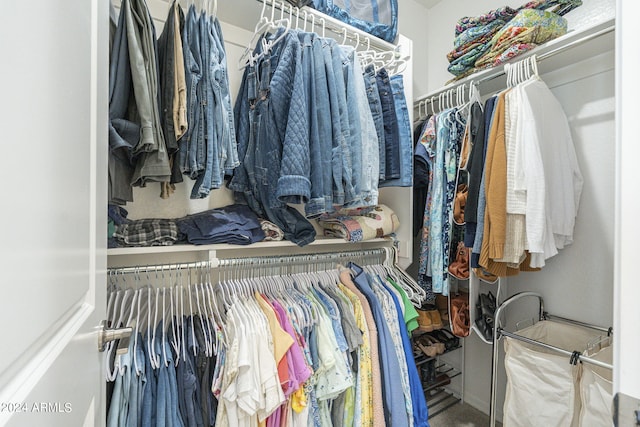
391, 137
376, 111
210, 110
404, 145
192, 151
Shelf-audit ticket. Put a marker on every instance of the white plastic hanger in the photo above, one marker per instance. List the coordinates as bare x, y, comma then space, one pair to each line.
173, 315
155, 357
204, 314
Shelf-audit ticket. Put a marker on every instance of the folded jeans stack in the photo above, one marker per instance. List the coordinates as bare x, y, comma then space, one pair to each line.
233, 224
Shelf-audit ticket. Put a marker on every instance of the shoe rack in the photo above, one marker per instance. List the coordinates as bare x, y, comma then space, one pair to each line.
439, 357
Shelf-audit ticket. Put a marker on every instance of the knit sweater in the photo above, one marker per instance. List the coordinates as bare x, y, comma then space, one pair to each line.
495, 189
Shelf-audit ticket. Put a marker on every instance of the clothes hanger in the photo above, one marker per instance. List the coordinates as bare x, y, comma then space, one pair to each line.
172, 307
157, 320
214, 14
227, 320
180, 290
202, 316
111, 370
219, 322
192, 327
305, 14
163, 338
310, 315
344, 36
407, 281
313, 23
205, 316
152, 323
262, 24
211, 317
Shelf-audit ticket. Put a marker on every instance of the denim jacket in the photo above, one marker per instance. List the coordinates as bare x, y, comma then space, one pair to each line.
273, 134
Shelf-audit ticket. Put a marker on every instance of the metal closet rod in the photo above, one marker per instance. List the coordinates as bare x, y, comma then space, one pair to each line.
335, 26
257, 261
555, 349
501, 72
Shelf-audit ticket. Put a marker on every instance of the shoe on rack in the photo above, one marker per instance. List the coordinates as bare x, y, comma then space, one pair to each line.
436, 319
424, 321
428, 372
427, 348
450, 341
439, 345
442, 379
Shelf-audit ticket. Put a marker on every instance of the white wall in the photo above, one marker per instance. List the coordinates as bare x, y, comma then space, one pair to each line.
577, 283
412, 17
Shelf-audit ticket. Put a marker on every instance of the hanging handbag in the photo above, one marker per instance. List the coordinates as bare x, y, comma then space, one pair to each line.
459, 268
460, 319
459, 203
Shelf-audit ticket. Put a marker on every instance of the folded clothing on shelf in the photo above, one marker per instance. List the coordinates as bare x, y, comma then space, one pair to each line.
234, 224
360, 224
147, 232
501, 34
527, 30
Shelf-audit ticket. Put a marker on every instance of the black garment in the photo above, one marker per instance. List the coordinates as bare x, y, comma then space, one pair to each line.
166, 69
475, 166
420, 182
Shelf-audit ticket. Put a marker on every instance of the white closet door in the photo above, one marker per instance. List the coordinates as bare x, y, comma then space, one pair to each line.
626, 324
53, 128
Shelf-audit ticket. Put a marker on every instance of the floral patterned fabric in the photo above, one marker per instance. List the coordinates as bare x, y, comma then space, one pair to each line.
501, 34
444, 152
503, 13
530, 27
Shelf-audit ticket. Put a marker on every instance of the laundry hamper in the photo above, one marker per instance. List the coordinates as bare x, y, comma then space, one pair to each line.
596, 391
543, 388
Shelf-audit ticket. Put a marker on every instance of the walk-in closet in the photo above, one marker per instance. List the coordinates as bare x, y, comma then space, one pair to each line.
319, 213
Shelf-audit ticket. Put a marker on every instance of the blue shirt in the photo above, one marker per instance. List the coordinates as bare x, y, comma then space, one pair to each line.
420, 409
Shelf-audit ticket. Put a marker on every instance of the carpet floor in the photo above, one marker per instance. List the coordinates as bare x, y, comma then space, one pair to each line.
460, 415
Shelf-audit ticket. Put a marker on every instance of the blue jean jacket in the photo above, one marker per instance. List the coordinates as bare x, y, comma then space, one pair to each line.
272, 132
